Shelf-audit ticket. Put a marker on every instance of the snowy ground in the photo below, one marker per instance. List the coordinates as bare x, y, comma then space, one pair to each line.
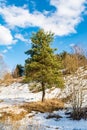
39, 122
19, 93
13, 95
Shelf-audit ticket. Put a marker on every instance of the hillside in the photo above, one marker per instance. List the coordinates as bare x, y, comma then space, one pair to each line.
16, 97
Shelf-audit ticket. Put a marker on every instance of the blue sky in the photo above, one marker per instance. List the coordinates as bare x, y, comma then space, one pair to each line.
19, 18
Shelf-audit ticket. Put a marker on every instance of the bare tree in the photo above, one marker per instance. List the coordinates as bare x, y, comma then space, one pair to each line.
73, 62
80, 53
3, 67
77, 97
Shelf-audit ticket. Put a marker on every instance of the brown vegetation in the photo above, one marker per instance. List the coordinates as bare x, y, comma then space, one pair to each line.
8, 79
46, 106
12, 116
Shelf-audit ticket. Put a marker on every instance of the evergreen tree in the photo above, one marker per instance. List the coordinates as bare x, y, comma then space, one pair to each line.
18, 71
42, 65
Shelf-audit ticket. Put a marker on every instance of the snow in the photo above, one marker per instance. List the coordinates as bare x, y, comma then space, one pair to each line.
63, 123
17, 93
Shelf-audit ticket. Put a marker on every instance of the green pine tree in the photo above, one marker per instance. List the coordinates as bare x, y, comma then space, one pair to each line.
42, 65
18, 71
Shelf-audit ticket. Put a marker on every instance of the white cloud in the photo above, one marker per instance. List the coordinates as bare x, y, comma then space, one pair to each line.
15, 16
5, 36
63, 21
5, 51
72, 45
21, 37
9, 47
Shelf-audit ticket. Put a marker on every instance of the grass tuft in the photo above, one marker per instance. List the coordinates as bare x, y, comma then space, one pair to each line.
46, 106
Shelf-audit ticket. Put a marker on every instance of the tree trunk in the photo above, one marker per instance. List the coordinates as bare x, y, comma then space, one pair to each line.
43, 91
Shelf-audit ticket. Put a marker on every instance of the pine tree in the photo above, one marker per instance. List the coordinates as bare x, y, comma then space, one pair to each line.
18, 71
42, 65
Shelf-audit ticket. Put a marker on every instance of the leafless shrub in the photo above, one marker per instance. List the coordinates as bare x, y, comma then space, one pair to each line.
77, 99
3, 67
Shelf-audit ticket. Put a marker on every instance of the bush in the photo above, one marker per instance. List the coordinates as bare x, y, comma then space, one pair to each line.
79, 114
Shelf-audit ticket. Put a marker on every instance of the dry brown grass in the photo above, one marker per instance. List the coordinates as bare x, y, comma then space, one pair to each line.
1, 100
46, 106
85, 77
12, 116
66, 99
8, 79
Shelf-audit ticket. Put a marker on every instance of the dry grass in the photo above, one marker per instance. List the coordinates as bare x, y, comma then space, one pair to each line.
8, 79
85, 67
85, 77
12, 116
66, 99
46, 106
1, 100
